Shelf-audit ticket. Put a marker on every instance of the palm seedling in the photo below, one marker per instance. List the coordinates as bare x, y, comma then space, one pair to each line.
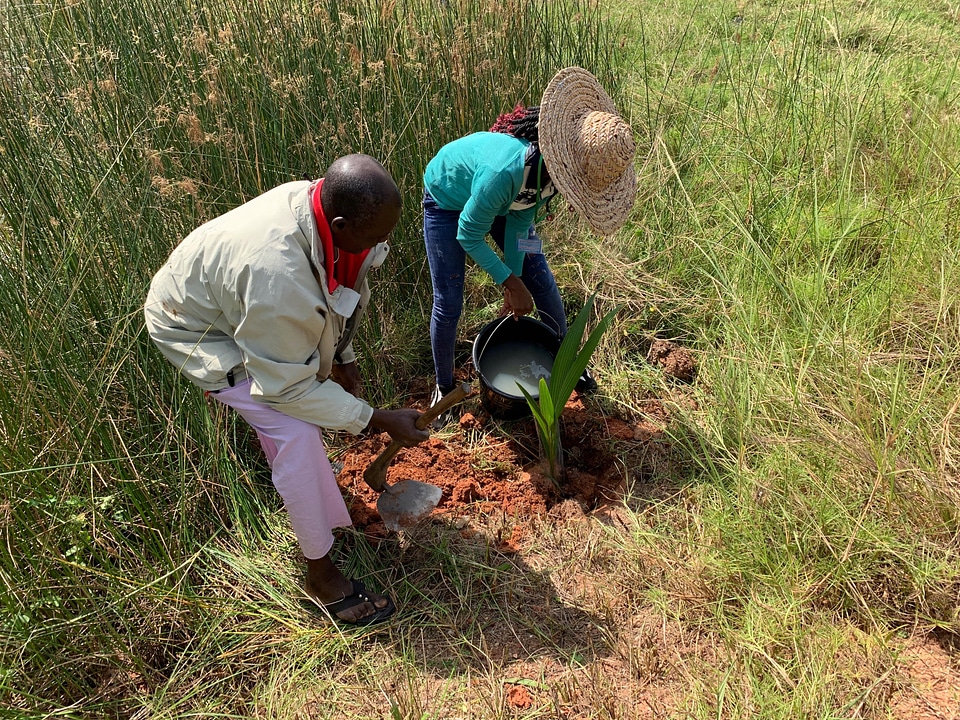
568, 366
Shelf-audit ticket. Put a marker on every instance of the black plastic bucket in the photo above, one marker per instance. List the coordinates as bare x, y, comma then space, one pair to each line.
526, 330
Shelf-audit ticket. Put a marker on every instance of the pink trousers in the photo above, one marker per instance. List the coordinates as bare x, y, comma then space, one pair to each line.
301, 470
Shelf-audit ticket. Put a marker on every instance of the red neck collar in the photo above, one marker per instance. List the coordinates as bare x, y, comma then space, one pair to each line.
341, 267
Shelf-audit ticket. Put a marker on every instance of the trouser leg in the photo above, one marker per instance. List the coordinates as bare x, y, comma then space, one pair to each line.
538, 279
447, 261
300, 469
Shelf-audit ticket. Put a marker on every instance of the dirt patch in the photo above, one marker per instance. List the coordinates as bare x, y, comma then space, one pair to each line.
519, 697
484, 469
673, 360
929, 683
495, 490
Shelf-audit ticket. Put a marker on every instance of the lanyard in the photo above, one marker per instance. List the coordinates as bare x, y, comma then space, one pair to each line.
541, 213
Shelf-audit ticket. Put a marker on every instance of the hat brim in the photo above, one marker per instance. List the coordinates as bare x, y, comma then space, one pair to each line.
570, 95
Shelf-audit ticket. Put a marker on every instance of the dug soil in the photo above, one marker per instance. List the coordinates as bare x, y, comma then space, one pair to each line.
484, 466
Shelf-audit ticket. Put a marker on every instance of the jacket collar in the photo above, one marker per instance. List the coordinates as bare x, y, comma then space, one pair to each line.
342, 300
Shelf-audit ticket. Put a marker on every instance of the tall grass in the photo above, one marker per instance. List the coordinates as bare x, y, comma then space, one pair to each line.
123, 126
800, 231
797, 229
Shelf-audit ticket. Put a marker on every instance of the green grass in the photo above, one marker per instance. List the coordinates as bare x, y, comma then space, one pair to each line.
802, 236
797, 228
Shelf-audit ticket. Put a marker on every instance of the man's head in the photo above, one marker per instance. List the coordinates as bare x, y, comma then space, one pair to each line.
361, 201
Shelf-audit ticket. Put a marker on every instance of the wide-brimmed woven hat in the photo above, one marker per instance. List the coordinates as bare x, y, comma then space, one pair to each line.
588, 149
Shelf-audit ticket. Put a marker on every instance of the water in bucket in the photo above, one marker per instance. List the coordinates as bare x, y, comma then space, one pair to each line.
509, 363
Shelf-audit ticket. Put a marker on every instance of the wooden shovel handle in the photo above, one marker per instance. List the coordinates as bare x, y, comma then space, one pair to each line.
446, 402
376, 473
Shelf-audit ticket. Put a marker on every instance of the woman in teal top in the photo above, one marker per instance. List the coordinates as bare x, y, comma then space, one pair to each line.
499, 183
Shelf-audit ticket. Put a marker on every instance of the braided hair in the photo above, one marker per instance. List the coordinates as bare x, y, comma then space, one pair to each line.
522, 123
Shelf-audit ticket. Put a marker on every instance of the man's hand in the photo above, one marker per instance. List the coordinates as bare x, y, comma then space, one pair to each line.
401, 424
516, 298
347, 376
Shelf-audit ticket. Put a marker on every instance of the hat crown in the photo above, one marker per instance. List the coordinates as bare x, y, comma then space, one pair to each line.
606, 148
588, 148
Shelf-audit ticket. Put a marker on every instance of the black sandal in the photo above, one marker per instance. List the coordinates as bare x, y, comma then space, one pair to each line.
586, 384
360, 596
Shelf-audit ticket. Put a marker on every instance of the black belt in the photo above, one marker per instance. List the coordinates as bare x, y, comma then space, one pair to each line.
235, 374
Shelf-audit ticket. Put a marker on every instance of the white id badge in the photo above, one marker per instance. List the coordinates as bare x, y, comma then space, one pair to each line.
530, 243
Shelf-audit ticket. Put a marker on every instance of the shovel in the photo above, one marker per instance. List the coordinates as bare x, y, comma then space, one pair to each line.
404, 503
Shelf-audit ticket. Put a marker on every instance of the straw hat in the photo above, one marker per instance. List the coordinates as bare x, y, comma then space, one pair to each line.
588, 149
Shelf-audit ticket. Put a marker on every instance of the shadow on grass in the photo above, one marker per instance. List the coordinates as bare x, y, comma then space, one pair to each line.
463, 605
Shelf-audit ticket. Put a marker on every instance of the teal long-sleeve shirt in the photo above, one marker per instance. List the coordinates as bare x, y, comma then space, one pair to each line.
479, 176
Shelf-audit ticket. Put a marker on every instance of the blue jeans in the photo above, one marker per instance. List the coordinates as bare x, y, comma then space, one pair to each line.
447, 260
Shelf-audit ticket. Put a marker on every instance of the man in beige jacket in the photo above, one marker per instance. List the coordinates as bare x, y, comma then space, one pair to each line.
259, 308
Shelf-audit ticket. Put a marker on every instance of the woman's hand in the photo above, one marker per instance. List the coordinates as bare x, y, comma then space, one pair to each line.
516, 298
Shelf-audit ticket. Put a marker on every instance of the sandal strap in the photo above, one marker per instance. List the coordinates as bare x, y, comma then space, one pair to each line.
360, 595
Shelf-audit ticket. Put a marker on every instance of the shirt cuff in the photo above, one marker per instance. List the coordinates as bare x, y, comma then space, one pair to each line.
501, 273
363, 420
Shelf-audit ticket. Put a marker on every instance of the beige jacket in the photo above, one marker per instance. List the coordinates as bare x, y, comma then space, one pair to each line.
247, 292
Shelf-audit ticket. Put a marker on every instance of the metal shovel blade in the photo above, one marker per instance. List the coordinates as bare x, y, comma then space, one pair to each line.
405, 503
